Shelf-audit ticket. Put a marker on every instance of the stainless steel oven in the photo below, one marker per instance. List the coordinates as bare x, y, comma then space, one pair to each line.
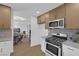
54, 44
53, 49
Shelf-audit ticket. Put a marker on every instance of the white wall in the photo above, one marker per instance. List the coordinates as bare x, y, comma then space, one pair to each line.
37, 31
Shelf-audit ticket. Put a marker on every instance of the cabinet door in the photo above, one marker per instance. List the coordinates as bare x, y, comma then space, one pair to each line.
38, 19
46, 20
2, 14
72, 15
43, 45
52, 14
70, 51
5, 17
41, 19
5, 48
60, 12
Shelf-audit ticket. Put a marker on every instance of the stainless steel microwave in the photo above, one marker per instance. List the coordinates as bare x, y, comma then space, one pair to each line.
58, 23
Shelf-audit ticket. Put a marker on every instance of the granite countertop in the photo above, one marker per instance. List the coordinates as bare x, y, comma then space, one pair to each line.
71, 43
4, 39
44, 36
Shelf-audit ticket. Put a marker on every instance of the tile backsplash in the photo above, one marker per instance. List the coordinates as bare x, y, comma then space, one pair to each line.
5, 34
69, 32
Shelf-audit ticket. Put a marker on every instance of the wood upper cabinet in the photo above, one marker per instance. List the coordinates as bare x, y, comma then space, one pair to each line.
41, 19
46, 20
72, 15
60, 12
5, 17
52, 14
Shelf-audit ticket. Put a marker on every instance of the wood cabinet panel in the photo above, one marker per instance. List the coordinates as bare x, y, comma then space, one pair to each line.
46, 20
5, 17
60, 12
72, 16
52, 14
41, 19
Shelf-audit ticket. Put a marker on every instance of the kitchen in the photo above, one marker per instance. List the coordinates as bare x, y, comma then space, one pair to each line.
62, 24
17, 20
55, 27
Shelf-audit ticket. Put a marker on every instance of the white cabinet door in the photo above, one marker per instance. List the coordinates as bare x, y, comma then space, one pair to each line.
70, 51
5, 48
43, 46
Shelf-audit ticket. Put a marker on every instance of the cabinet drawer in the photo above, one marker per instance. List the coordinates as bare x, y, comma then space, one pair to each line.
70, 51
69, 48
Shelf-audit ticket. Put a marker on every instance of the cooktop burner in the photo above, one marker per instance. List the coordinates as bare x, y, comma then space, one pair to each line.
56, 40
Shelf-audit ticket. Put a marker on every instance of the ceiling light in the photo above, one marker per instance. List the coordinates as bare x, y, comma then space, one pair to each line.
19, 18
37, 12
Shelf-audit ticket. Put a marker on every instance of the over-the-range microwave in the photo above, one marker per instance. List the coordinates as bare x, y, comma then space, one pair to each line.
58, 23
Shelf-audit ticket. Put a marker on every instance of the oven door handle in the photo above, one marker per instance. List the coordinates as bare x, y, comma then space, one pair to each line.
52, 44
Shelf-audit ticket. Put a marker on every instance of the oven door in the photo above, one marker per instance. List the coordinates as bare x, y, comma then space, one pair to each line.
53, 49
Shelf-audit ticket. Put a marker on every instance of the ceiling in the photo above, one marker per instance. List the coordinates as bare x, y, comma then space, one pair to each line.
28, 10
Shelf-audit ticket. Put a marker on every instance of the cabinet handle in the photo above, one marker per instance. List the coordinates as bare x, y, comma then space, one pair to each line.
71, 49
3, 25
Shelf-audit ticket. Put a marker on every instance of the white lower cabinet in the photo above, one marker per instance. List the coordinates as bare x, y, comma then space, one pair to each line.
5, 48
69, 51
43, 46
